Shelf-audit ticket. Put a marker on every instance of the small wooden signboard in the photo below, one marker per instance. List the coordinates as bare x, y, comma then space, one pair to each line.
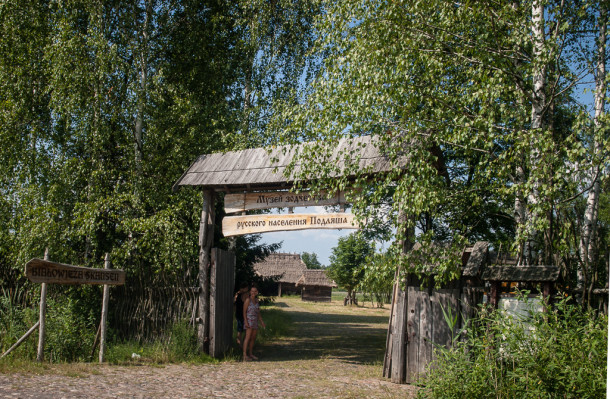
249, 224
278, 199
44, 271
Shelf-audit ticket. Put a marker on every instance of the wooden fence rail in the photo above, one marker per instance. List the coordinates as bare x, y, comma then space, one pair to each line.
143, 314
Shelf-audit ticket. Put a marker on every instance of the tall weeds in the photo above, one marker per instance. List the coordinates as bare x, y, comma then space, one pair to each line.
558, 353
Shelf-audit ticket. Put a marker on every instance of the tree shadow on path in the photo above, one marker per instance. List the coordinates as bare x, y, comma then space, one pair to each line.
352, 338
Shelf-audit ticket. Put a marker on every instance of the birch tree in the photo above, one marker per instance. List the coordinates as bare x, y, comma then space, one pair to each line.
478, 96
589, 252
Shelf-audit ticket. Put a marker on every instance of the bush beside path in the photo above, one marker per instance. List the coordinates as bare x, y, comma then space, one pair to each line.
323, 351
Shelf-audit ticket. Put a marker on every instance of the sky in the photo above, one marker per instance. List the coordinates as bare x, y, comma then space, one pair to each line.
319, 241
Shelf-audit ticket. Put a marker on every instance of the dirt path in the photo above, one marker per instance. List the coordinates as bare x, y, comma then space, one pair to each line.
329, 355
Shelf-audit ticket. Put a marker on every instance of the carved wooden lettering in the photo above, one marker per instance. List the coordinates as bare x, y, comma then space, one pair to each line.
43, 271
250, 224
278, 199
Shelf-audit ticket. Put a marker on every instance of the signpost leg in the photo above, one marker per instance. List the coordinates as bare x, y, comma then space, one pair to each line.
104, 312
25, 336
42, 316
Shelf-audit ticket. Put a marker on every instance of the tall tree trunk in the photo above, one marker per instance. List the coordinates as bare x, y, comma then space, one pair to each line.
537, 125
587, 241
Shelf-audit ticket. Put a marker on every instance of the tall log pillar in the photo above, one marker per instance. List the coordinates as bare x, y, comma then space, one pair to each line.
395, 362
206, 238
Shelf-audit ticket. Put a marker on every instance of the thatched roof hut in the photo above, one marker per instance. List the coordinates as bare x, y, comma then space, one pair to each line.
288, 267
315, 286
315, 278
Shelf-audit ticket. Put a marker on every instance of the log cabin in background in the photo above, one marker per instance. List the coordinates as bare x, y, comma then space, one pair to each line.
287, 267
315, 286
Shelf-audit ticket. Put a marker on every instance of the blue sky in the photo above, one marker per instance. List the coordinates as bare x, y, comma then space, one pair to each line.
319, 241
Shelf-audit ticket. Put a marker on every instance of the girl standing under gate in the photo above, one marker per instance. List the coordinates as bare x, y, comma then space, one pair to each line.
252, 319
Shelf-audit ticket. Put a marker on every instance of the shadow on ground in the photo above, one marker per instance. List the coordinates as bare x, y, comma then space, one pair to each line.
351, 338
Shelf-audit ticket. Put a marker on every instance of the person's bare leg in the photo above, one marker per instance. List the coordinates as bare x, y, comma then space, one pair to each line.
247, 343
251, 343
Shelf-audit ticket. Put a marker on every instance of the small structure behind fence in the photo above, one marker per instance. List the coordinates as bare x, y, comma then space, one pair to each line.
418, 322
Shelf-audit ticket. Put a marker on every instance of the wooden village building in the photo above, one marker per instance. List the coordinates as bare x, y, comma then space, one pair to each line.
315, 286
287, 268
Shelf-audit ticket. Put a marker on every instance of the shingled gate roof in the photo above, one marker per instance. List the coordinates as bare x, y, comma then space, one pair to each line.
261, 168
289, 266
315, 278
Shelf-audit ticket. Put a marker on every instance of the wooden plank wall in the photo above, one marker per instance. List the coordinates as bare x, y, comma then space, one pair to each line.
316, 294
417, 326
222, 281
427, 327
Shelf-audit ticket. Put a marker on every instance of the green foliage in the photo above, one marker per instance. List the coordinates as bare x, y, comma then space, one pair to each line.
311, 260
557, 353
378, 278
69, 337
105, 104
347, 261
69, 333
14, 322
448, 90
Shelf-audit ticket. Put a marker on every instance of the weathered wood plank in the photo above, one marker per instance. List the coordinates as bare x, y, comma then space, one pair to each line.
206, 239
221, 301
103, 321
399, 338
43, 271
387, 359
426, 327
521, 273
249, 224
477, 259
241, 202
267, 166
413, 333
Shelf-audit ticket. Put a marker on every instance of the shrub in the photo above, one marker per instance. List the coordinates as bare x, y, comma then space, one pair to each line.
70, 334
558, 353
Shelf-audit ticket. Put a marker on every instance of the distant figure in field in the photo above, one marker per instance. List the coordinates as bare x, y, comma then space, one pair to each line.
252, 319
240, 297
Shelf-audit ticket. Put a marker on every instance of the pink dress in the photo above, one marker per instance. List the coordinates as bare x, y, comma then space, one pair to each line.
252, 315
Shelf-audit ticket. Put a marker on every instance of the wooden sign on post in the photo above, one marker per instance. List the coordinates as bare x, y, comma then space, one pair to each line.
279, 199
249, 224
44, 271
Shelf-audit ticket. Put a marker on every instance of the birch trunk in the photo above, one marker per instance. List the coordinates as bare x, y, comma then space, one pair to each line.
537, 125
587, 241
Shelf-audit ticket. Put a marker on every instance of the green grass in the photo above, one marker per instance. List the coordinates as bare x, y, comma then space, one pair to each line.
338, 295
179, 346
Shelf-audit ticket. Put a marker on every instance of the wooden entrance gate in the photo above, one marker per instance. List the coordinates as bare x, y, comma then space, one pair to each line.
410, 346
253, 179
222, 281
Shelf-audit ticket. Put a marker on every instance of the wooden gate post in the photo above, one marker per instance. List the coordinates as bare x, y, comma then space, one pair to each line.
395, 362
104, 312
42, 316
206, 238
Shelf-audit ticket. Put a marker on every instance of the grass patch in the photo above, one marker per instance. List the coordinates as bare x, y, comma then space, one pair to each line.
278, 324
180, 346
